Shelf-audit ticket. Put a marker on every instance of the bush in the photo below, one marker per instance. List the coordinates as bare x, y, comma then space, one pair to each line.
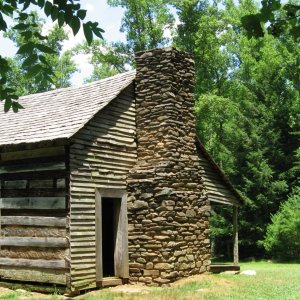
283, 234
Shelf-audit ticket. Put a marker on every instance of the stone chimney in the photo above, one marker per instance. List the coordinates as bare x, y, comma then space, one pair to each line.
167, 207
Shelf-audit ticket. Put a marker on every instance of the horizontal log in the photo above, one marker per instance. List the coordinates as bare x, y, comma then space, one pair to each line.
44, 183
222, 200
61, 213
33, 161
82, 244
34, 221
58, 174
104, 132
46, 289
220, 194
33, 203
120, 123
33, 167
76, 255
34, 253
41, 152
33, 263
100, 150
15, 184
44, 242
82, 284
33, 275
83, 251
214, 183
219, 191
32, 231
83, 261
81, 276
83, 268
37, 192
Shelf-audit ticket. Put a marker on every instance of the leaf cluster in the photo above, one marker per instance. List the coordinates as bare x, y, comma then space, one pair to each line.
281, 20
283, 234
65, 12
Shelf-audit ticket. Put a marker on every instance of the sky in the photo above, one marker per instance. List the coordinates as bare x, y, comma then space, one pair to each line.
109, 19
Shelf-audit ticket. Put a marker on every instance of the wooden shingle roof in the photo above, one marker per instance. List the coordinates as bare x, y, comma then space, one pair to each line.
59, 114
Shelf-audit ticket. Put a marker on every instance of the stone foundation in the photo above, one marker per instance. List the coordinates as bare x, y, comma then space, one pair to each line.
168, 211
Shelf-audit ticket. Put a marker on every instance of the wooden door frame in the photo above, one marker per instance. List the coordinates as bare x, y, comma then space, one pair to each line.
122, 231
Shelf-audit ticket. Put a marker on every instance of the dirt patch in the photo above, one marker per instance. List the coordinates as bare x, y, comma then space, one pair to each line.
140, 290
4, 290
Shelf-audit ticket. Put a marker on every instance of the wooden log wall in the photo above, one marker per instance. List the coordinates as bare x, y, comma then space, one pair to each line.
101, 155
33, 205
217, 190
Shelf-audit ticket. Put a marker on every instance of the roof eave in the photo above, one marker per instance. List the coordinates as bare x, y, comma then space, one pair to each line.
33, 145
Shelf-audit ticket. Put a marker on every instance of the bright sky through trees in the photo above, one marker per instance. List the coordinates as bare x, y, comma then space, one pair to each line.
109, 19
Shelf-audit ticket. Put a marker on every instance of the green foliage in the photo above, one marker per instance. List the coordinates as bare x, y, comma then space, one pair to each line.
145, 22
283, 234
107, 59
281, 19
247, 108
24, 72
66, 12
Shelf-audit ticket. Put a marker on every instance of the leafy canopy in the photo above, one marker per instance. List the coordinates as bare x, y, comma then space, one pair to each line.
61, 62
280, 19
283, 234
34, 51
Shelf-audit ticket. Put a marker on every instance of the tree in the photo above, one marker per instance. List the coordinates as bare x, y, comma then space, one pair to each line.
62, 65
246, 107
283, 234
65, 12
274, 18
107, 59
145, 22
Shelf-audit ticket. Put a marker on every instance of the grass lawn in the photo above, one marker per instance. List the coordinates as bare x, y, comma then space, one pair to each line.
272, 281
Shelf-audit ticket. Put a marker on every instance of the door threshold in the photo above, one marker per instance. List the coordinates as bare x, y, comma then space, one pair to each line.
110, 281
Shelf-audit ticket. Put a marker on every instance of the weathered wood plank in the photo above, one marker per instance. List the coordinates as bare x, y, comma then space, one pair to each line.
32, 167
41, 152
235, 236
32, 231
15, 184
33, 275
215, 199
33, 161
83, 243
46, 183
34, 242
33, 203
37, 192
33, 263
98, 163
46, 289
58, 174
33, 253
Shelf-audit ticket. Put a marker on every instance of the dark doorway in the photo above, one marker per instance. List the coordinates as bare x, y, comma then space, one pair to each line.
110, 218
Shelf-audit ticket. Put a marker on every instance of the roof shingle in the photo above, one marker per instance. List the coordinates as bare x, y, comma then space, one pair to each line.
59, 114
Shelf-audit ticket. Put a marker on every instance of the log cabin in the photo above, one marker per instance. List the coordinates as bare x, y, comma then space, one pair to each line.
107, 183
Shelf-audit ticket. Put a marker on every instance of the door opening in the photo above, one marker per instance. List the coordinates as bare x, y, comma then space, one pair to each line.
110, 219
111, 234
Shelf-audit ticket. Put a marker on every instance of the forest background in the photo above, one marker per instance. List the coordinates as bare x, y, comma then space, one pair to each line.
247, 100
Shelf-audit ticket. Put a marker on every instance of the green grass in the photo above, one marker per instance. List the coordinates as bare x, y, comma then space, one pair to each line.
10, 296
274, 281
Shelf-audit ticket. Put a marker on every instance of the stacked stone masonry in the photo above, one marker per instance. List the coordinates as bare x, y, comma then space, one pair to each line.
168, 211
